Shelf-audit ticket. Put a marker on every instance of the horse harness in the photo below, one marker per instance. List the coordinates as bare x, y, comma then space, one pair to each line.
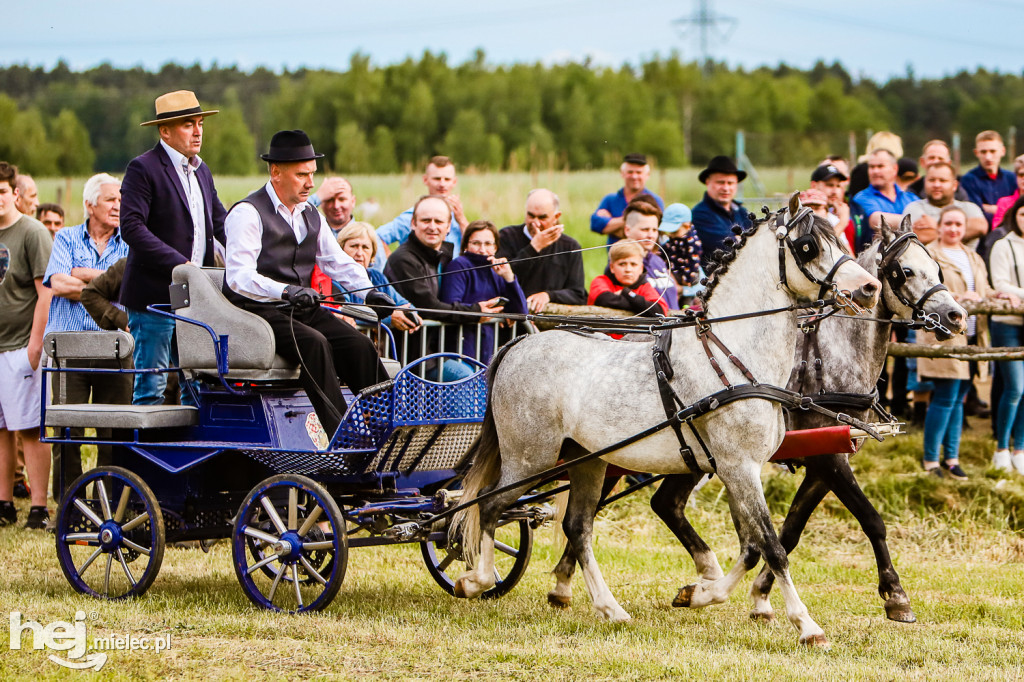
804, 250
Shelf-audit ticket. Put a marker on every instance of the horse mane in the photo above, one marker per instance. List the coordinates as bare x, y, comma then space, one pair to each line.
722, 258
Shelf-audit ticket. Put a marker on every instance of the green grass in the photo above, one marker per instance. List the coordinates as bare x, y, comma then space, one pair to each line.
958, 548
499, 197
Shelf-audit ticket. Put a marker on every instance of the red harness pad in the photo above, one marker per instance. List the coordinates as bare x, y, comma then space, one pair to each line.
823, 441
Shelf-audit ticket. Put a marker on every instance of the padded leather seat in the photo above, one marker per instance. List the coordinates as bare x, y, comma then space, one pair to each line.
103, 416
251, 348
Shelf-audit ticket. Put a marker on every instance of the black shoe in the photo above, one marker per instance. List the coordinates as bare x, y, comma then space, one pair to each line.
21, 490
8, 514
37, 518
956, 472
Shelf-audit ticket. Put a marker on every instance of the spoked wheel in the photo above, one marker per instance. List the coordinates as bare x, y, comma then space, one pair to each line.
110, 534
289, 545
513, 544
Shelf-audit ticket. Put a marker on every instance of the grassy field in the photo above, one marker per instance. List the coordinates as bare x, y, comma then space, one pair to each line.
959, 549
499, 197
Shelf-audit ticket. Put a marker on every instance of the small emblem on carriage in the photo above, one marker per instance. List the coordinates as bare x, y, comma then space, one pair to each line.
316, 432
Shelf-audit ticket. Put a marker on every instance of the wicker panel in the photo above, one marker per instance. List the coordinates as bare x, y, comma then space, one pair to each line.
445, 449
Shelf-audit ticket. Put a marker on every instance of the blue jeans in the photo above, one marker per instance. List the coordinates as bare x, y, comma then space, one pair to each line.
454, 370
944, 421
1009, 418
154, 349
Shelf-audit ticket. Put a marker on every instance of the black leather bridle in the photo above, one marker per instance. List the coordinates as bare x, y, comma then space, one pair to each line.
804, 249
896, 275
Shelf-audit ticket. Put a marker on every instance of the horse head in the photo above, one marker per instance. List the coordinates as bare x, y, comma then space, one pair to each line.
913, 288
812, 263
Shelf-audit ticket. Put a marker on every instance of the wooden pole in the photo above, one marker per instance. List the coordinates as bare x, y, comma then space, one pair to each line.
937, 350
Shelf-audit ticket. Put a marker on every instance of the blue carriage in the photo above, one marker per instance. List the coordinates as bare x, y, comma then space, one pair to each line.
250, 463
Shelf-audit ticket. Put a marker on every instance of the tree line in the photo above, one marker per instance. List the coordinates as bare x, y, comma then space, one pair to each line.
382, 119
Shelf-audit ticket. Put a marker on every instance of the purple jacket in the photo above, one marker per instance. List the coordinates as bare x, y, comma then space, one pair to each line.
157, 226
461, 284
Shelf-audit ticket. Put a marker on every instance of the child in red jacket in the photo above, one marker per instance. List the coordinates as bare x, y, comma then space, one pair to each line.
624, 284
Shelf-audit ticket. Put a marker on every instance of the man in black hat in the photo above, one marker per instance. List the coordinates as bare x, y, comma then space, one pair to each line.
274, 238
718, 211
607, 219
170, 214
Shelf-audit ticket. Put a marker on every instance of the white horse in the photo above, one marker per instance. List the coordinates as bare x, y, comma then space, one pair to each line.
561, 395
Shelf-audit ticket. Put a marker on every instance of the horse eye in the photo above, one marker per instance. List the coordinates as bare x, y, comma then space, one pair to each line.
908, 272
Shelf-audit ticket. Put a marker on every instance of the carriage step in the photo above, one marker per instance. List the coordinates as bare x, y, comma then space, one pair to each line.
108, 416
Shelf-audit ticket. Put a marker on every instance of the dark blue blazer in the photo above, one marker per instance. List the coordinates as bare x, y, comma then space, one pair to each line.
157, 225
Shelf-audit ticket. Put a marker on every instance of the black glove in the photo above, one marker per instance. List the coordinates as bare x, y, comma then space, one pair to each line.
380, 302
302, 298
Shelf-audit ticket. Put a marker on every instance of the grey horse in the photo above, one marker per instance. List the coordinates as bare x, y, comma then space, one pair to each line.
560, 395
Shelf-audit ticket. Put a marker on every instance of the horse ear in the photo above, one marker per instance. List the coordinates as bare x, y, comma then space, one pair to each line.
905, 224
884, 230
794, 204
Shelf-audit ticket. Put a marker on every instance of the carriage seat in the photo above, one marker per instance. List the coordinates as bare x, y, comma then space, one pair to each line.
251, 347
63, 347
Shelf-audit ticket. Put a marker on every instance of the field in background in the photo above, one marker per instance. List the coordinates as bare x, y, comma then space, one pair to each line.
499, 197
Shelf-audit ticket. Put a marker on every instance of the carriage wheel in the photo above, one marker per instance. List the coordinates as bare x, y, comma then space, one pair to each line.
110, 534
513, 544
282, 557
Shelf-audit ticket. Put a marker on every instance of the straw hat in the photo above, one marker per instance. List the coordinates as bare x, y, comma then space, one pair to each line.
176, 105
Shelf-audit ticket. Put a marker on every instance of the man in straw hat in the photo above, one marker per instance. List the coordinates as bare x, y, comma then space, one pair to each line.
170, 214
274, 238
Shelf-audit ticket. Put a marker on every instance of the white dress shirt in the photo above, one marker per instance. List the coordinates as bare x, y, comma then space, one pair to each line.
186, 169
243, 229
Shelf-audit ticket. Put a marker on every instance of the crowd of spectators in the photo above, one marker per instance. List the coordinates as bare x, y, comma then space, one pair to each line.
437, 263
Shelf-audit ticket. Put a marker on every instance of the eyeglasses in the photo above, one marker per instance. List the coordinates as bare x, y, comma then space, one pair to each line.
481, 245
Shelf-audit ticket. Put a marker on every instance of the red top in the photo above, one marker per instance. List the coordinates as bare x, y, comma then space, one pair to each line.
603, 283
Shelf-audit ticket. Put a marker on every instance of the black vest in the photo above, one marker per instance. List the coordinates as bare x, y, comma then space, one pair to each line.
281, 258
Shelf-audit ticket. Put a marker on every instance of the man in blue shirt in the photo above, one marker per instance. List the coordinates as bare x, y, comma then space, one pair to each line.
987, 183
718, 211
440, 181
882, 198
607, 219
81, 253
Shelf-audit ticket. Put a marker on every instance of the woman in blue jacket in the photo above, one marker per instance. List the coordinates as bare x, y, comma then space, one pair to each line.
467, 281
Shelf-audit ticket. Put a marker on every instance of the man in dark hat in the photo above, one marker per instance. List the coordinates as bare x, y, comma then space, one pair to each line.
718, 211
607, 219
274, 238
170, 214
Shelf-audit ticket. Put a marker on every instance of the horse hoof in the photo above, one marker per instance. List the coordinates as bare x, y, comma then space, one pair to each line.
685, 597
460, 589
558, 601
818, 641
763, 616
901, 613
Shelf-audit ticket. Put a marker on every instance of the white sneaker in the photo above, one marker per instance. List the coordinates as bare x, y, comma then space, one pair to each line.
1001, 460
1018, 461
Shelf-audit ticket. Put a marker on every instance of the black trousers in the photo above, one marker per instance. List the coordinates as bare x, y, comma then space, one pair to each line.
330, 349
114, 389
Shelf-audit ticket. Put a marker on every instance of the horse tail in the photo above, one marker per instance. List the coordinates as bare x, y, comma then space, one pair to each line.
484, 471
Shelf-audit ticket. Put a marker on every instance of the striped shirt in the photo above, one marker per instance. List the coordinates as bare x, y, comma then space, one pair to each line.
73, 248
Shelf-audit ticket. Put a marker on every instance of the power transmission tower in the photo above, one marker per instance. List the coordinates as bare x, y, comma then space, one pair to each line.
706, 23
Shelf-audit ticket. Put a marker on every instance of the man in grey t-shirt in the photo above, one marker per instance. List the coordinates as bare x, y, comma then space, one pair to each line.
24, 304
939, 188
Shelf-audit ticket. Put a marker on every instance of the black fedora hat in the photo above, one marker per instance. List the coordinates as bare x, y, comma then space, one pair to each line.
290, 146
721, 164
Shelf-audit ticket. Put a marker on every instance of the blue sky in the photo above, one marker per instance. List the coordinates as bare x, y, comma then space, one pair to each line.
871, 38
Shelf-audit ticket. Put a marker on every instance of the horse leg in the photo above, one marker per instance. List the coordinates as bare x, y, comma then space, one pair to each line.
480, 577
717, 590
669, 503
585, 485
757, 537
840, 478
810, 494
560, 596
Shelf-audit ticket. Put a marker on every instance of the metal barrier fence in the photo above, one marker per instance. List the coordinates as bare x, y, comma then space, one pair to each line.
406, 346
